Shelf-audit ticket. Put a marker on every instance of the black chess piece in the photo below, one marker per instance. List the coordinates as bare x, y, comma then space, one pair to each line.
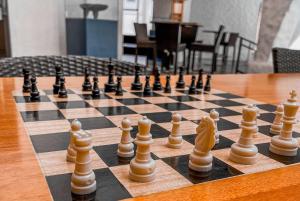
168, 85
58, 74
96, 90
26, 83
147, 88
110, 86
157, 85
207, 86
62, 93
119, 90
86, 86
34, 93
136, 85
200, 80
192, 89
180, 84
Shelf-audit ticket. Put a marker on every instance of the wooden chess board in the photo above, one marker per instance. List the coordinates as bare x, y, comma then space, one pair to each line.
48, 123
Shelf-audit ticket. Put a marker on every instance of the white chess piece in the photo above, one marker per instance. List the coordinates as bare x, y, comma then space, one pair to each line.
142, 166
71, 152
215, 116
284, 144
201, 158
125, 147
244, 151
175, 137
83, 179
255, 132
277, 123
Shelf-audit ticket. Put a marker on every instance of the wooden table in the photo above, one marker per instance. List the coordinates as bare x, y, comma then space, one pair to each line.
22, 179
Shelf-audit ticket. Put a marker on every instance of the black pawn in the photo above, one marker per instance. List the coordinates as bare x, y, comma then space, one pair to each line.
192, 89
26, 84
62, 93
110, 86
200, 80
58, 74
86, 86
168, 85
136, 85
157, 84
96, 90
119, 90
147, 88
207, 86
180, 84
34, 93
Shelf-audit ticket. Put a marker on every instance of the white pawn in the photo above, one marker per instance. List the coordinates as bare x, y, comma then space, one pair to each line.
255, 132
277, 123
71, 152
125, 147
244, 151
175, 138
142, 166
83, 179
215, 116
201, 158
284, 144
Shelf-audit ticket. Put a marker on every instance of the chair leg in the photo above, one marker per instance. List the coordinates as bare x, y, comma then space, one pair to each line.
214, 63
193, 60
175, 62
233, 58
136, 55
200, 59
154, 60
184, 55
188, 62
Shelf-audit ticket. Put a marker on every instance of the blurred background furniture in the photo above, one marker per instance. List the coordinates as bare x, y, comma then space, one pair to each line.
229, 40
286, 60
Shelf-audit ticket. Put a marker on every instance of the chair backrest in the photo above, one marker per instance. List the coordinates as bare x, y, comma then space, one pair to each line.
188, 33
140, 32
167, 35
218, 38
286, 60
230, 39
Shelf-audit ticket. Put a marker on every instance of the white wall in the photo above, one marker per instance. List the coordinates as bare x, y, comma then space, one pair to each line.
37, 27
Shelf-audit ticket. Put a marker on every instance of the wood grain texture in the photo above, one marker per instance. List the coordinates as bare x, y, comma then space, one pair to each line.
22, 178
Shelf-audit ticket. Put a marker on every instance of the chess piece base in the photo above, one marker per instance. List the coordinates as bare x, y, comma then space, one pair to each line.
55, 89
125, 150
174, 142
275, 129
35, 96
243, 155
192, 91
136, 86
96, 94
87, 87
62, 95
284, 147
71, 159
167, 90
157, 87
109, 87
26, 88
82, 188
88, 197
200, 162
142, 172
180, 85
147, 93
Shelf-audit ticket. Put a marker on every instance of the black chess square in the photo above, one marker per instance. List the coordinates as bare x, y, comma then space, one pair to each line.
223, 112
174, 106
187, 91
50, 142
133, 101
223, 141
264, 149
72, 104
219, 170
228, 95
267, 107
108, 153
26, 99
266, 130
45, 115
156, 131
159, 117
184, 98
141, 94
268, 117
90, 97
50, 92
224, 124
108, 186
95, 123
225, 103
119, 110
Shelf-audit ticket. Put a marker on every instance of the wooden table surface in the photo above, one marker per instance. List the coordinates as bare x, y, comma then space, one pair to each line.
21, 177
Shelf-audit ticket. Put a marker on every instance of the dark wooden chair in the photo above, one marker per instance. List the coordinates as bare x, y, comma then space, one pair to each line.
143, 41
286, 60
188, 36
229, 40
211, 48
168, 36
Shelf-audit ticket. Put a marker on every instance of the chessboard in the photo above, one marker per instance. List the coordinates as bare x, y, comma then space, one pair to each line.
47, 122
